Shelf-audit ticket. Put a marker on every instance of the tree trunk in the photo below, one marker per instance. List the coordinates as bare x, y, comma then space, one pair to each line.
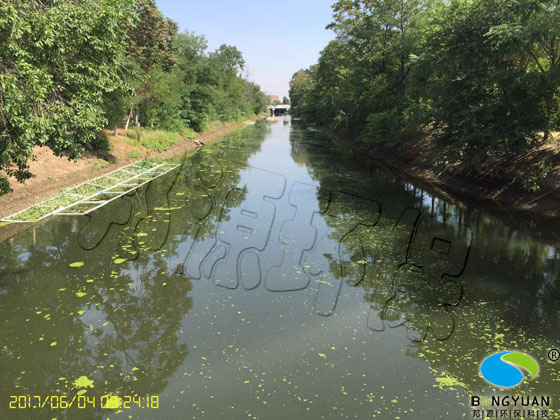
116, 132
128, 119
136, 120
404, 74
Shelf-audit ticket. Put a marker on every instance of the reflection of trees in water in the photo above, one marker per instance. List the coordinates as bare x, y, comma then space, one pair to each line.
298, 152
507, 266
117, 318
117, 325
514, 275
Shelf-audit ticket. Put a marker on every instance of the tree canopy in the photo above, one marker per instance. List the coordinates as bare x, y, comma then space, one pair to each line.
479, 78
69, 68
56, 62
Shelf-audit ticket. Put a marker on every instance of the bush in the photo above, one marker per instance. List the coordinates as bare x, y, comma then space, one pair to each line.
534, 176
100, 143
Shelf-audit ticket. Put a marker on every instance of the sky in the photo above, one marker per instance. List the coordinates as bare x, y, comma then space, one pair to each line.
277, 38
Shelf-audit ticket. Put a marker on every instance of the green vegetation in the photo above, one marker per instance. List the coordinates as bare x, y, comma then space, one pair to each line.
465, 85
534, 175
134, 154
56, 61
70, 68
157, 140
101, 163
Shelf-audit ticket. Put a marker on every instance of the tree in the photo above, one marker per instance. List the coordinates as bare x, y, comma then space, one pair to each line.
301, 85
151, 46
383, 29
151, 38
480, 77
493, 72
228, 59
285, 100
57, 60
378, 39
196, 108
212, 86
159, 99
72, 67
256, 98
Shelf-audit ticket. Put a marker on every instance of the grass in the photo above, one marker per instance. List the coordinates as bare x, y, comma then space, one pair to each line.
62, 200
157, 140
86, 190
104, 197
188, 133
32, 214
161, 140
100, 163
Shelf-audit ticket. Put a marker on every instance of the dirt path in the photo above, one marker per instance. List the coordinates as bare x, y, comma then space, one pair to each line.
54, 174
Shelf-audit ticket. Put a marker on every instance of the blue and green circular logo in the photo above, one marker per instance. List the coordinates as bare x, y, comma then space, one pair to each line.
508, 368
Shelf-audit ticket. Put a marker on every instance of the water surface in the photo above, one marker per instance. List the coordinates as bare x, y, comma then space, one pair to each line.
275, 275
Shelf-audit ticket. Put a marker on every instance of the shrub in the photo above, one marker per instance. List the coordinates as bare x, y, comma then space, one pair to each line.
100, 143
534, 176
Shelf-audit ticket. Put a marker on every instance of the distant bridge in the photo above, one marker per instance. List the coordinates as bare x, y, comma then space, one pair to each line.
276, 110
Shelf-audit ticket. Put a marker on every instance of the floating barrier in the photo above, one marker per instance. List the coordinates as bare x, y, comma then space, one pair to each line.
94, 194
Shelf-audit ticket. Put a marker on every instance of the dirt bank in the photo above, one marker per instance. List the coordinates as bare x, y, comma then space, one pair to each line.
54, 174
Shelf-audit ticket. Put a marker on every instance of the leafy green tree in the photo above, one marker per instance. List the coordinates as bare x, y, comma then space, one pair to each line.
151, 38
196, 109
382, 31
160, 99
151, 46
256, 98
72, 67
57, 60
212, 86
479, 77
301, 86
492, 79
379, 38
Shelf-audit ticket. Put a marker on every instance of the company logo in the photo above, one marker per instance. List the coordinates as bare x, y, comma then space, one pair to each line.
508, 368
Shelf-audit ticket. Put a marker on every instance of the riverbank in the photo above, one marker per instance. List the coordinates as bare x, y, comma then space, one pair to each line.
55, 174
505, 193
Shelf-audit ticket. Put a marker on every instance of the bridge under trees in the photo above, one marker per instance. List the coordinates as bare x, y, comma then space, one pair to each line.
276, 110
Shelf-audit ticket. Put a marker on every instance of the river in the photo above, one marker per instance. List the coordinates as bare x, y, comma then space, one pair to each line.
274, 275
